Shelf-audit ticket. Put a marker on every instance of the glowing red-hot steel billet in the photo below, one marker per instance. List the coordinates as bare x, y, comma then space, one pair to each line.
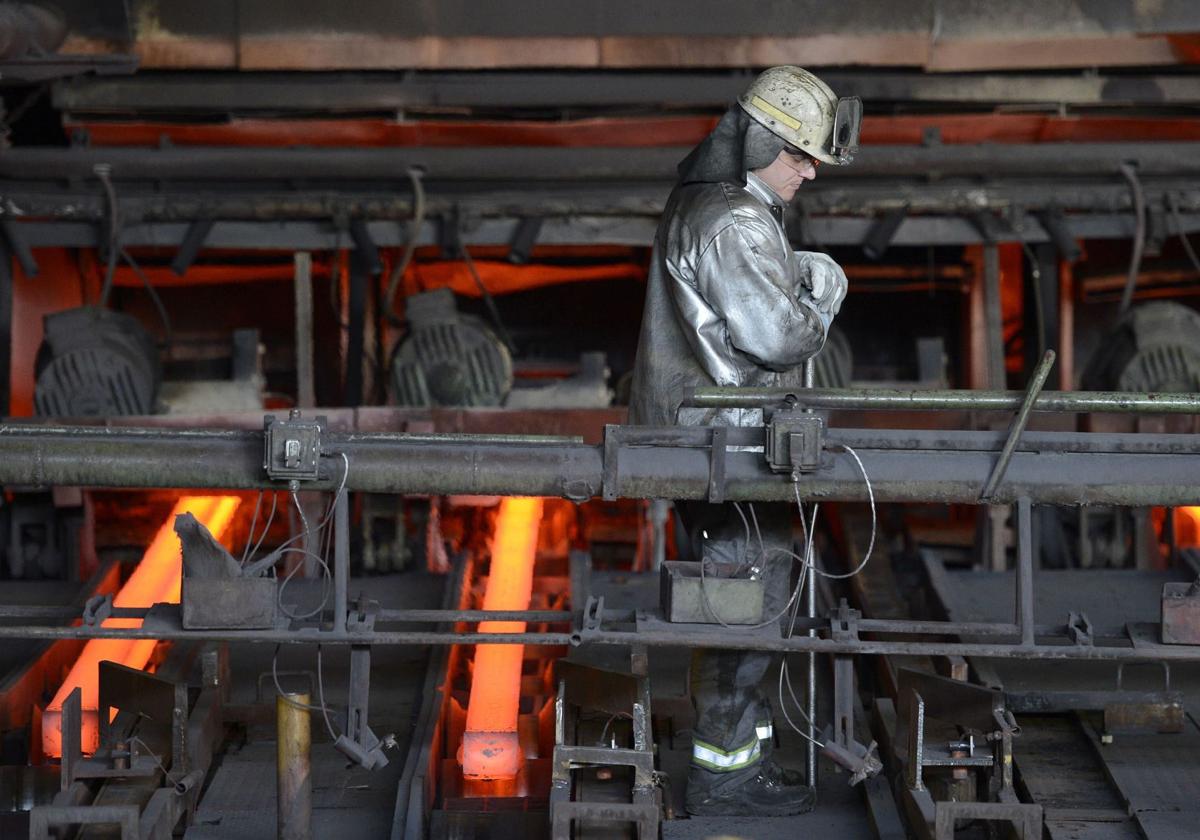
491, 746
157, 579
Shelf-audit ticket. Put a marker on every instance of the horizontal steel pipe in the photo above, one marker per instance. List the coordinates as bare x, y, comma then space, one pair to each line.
390, 463
1100, 402
684, 637
574, 164
438, 616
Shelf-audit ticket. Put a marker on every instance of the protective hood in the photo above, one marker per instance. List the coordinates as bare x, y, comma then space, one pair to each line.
736, 145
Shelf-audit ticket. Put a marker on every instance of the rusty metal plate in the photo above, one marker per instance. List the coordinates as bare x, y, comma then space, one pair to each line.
1180, 614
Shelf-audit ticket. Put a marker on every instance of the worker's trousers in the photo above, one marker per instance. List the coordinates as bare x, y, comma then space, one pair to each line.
733, 730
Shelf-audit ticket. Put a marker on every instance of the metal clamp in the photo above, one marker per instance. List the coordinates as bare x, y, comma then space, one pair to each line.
97, 609
843, 626
1079, 628
716, 465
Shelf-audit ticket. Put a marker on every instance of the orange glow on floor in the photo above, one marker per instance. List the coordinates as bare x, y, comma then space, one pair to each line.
491, 748
157, 579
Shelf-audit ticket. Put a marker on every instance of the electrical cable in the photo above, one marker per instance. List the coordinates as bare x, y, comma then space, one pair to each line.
266, 528
250, 532
304, 532
1129, 173
323, 709
326, 583
783, 706
321, 695
1039, 311
329, 512
807, 563
745, 561
871, 498
609, 722
784, 674
286, 547
489, 302
168, 335
410, 245
1173, 204
103, 171
133, 739
279, 688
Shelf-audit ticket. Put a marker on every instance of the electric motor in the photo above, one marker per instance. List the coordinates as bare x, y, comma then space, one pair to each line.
1155, 347
94, 362
448, 358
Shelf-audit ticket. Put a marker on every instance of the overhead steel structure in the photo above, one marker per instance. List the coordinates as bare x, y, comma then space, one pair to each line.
713, 463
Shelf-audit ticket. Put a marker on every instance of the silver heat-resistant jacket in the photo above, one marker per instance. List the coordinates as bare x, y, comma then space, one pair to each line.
727, 303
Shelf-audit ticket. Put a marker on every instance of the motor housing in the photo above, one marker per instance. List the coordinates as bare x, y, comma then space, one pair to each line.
448, 358
1155, 347
94, 362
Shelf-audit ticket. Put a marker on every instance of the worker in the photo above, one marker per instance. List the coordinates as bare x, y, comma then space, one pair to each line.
729, 303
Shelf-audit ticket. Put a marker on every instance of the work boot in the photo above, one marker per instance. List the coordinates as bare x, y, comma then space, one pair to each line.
783, 775
761, 796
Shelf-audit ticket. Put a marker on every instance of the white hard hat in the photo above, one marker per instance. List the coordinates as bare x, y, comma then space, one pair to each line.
803, 110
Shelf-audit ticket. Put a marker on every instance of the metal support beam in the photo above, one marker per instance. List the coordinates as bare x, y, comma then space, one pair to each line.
360, 272
341, 561
674, 463
6, 315
1024, 611
305, 388
994, 333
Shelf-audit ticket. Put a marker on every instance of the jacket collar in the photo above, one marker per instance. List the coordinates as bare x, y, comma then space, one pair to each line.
758, 188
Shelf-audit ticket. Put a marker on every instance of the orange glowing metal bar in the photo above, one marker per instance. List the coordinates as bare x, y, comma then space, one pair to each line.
1187, 526
157, 579
491, 748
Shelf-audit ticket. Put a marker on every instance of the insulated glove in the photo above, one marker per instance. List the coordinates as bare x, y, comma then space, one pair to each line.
824, 279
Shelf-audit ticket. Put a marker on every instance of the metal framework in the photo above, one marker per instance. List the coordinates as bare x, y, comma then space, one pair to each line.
284, 198
673, 462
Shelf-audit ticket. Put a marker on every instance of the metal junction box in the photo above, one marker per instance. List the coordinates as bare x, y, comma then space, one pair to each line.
793, 441
735, 600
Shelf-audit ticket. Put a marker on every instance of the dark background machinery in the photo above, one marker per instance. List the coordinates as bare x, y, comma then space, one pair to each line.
405, 221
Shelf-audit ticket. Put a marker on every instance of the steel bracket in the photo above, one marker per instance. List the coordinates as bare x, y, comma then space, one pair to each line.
1080, 629
843, 623
97, 609
1026, 819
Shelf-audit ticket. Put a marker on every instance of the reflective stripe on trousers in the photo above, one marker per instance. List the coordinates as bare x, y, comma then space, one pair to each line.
765, 731
719, 761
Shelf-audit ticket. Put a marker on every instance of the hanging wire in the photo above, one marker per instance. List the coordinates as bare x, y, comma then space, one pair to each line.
322, 708
1039, 309
250, 532
1173, 204
103, 172
168, 336
871, 544
1129, 173
263, 535
410, 245
489, 302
